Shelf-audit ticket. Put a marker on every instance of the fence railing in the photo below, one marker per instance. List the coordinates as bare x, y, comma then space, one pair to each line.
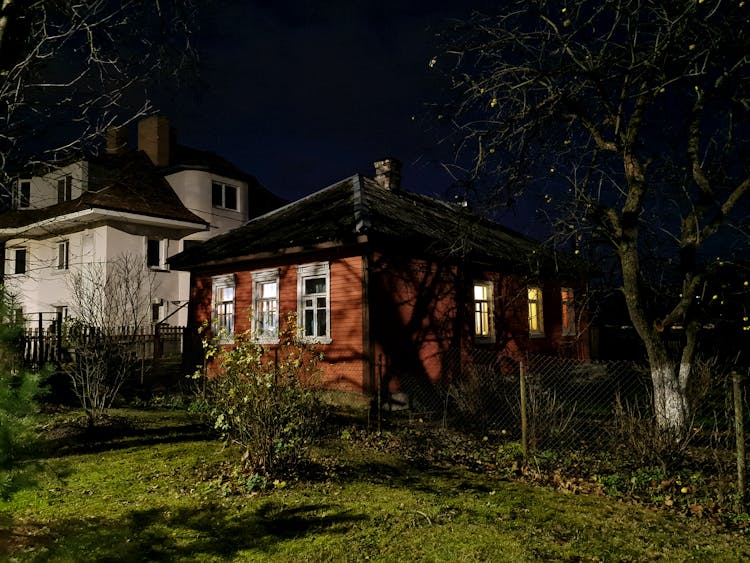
42, 346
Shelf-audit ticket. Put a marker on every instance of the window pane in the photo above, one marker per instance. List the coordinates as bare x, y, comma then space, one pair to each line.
268, 290
217, 199
152, 253
20, 261
309, 322
315, 285
230, 197
321, 322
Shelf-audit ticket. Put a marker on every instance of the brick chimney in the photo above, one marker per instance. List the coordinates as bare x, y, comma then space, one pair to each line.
388, 173
116, 139
154, 139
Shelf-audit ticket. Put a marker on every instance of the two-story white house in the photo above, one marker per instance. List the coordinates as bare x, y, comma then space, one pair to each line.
150, 202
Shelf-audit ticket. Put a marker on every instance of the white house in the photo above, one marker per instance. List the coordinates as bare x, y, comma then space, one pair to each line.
149, 203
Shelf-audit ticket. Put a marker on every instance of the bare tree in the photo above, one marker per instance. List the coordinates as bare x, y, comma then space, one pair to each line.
634, 117
70, 69
109, 307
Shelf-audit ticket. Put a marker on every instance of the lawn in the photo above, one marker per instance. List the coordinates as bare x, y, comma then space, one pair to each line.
152, 485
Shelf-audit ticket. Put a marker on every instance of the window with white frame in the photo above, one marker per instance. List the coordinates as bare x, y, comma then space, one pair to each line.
19, 260
222, 307
483, 312
65, 188
313, 289
63, 255
536, 314
568, 312
266, 305
156, 253
224, 196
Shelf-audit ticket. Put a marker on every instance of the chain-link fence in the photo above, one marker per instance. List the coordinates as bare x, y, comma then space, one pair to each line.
569, 403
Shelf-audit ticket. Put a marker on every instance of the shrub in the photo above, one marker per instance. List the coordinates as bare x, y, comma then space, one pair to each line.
266, 400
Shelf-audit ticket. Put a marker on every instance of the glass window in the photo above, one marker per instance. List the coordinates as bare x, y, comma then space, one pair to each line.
63, 255
483, 322
223, 308
536, 317
65, 189
155, 253
266, 305
19, 261
314, 292
224, 196
568, 312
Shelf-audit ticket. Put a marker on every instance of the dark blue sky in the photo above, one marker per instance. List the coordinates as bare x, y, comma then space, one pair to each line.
302, 94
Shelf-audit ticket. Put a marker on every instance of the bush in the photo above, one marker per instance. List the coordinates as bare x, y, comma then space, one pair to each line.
266, 400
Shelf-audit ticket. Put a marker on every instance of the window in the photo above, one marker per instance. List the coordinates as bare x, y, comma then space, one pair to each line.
536, 317
22, 194
483, 322
63, 255
224, 196
156, 312
568, 312
156, 251
65, 189
19, 260
223, 307
266, 305
313, 288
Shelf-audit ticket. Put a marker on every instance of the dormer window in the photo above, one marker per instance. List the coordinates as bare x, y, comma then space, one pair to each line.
224, 196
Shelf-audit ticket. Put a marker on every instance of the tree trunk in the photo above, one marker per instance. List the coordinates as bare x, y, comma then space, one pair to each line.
670, 396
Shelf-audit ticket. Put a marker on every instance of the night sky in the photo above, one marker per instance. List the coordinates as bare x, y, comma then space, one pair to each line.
302, 94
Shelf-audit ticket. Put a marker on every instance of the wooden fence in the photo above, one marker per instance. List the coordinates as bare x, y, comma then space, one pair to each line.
42, 346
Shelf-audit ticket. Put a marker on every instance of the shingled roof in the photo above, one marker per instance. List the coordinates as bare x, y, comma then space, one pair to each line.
126, 183
358, 210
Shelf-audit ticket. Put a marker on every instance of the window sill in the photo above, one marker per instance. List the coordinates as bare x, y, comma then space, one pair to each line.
537, 335
317, 340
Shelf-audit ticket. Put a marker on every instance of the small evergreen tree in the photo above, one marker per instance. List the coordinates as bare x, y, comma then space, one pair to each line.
19, 390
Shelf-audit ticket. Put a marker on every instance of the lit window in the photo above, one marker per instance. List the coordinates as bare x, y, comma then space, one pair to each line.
65, 189
224, 196
19, 260
63, 255
568, 312
536, 317
266, 305
314, 291
483, 329
223, 308
22, 194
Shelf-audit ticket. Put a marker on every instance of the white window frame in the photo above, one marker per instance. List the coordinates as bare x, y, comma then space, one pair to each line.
484, 312
223, 204
568, 317
222, 327
304, 273
261, 304
162, 258
63, 255
535, 297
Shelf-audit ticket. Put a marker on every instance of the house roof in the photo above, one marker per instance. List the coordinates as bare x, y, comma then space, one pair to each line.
358, 210
126, 183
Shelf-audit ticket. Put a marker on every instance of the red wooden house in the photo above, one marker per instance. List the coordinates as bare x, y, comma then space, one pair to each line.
387, 282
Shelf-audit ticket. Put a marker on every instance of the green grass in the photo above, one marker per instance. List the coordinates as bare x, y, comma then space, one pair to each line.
156, 489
